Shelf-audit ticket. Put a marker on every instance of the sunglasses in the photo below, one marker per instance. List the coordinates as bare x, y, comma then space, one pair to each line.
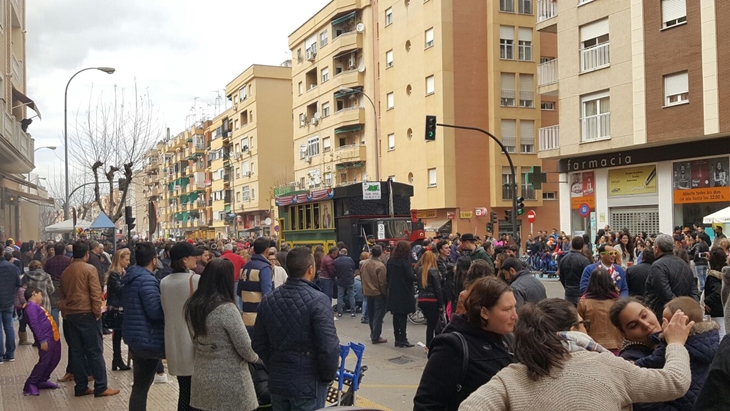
610, 252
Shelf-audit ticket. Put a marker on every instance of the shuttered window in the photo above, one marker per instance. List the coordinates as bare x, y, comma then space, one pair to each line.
674, 12
594, 30
507, 83
527, 136
509, 135
526, 91
676, 88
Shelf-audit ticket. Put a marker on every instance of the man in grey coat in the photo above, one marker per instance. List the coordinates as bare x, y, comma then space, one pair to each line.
526, 287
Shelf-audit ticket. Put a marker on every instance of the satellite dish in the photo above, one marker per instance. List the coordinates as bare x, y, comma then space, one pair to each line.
360, 27
267, 221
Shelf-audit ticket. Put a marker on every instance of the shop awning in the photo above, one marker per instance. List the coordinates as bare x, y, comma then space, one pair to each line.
341, 19
718, 217
348, 129
340, 94
29, 196
438, 226
26, 101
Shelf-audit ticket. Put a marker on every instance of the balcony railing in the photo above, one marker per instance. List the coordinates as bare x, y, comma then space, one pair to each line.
546, 9
595, 57
547, 72
549, 138
284, 189
596, 127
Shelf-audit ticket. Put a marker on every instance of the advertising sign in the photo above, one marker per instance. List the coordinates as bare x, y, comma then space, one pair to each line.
371, 191
632, 180
701, 181
480, 211
466, 214
582, 189
426, 214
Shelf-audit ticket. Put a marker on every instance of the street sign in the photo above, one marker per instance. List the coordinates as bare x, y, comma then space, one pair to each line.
584, 210
531, 216
450, 215
465, 214
371, 191
480, 212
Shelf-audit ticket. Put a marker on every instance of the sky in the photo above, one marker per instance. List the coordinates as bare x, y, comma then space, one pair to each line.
175, 50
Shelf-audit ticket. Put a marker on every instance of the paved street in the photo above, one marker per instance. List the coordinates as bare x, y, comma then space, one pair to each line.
389, 384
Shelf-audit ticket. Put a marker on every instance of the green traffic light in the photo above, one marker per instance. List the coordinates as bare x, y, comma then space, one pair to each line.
520, 211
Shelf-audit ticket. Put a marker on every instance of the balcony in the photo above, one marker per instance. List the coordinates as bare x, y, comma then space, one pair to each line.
549, 138
351, 153
350, 115
595, 58
547, 10
16, 146
18, 72
347, 41
285, 189
596, 127
547, 77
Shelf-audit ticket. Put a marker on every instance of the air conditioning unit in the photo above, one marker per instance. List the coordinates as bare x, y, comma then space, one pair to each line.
247, 174
236, 156
302, 120
245, 148
352, 61
311, 54
315, 120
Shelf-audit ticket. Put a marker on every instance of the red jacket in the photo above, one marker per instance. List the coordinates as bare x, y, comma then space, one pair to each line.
238, 263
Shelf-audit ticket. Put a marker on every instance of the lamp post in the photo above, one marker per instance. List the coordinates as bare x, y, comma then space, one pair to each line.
375, 115
40, 148
107, 70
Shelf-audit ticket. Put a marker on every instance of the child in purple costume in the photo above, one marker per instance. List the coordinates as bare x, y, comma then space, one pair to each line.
45, 332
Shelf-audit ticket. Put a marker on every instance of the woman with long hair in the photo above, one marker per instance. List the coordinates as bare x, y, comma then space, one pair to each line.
461, 271
478, 269
401, 291
563, 368
713, 288
625, 248
430, 300
114, 286
221, 379
594, 307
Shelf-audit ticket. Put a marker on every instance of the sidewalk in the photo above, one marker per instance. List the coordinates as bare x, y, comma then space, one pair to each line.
13, 374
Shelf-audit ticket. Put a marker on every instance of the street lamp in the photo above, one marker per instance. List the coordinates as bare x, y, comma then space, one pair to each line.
375, 115
48, 147
107, 70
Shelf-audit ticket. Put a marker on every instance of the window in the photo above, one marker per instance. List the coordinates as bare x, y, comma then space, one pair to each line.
389, 16
430, 85
526, 91
325, 74
242, 93
527, 190
524, 6
527, 136
302, 120
676, 89
328, 179
596, 117
301, 88
246, 168
524, 45
299, 55
674, 12
313, 146
389, 58
547, 105
507, 6
245, 191
509, 135
507, 84
432, 177
429, 38
507, 183
549, 195
326, 144
323, 39
594, 52
506, 42
390, 98
325, 109
391, 142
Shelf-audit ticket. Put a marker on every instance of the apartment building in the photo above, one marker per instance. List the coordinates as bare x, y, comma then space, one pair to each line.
20, 199
250, 151
642, 140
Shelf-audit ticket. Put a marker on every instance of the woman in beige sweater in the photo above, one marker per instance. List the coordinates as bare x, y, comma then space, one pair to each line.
564, 369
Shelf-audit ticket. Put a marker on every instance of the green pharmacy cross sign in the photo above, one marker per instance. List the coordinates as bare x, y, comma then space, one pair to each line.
536, 177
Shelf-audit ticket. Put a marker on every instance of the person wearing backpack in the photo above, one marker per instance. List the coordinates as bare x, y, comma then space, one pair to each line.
473, 347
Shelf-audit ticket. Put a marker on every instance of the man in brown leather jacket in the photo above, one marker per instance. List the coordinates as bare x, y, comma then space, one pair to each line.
375, 289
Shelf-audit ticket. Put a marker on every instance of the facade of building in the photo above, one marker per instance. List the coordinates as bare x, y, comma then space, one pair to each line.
643, 131
20, 199
469, 63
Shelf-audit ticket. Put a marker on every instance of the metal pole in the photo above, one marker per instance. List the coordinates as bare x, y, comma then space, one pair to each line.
377, 139
513, 183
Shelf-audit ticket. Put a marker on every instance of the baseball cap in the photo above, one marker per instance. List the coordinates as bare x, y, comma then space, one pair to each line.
182, 250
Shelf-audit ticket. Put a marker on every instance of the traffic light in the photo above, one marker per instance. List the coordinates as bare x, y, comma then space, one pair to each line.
493, 218
520, 205
430, 128
128, 219
508, 215
489, 227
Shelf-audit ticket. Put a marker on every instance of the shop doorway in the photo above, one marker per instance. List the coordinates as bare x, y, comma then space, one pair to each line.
636, 219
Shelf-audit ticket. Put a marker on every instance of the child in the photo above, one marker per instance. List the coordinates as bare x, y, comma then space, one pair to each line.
594, 307
702, 344
46, 335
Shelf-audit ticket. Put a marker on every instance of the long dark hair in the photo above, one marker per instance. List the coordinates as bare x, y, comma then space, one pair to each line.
215, 288
485, 292
601, 286
402, 250
537, 344
462, 270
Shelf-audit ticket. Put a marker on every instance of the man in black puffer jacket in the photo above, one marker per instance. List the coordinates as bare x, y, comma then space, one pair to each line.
295, 337
669, 277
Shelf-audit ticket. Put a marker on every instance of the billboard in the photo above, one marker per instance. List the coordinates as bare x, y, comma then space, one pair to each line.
582, 190
701, 181
632, 180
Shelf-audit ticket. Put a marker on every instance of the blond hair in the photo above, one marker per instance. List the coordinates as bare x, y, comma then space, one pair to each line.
428, 261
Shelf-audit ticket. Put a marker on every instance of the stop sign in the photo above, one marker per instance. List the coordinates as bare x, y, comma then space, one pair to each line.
531, 216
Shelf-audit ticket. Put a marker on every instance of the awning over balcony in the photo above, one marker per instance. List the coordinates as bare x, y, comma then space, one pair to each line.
341, 19
340, 94
25, 101
348, 129
29, 196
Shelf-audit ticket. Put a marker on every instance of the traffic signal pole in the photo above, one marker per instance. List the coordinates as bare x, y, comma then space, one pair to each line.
513, 183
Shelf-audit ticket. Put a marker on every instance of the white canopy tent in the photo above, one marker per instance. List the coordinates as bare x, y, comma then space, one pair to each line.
718, 217
66, 226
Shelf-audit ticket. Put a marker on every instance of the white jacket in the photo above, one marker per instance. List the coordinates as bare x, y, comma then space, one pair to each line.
179, 351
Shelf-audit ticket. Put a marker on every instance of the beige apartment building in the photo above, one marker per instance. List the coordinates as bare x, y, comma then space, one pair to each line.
20, 199
468, 63
643, 134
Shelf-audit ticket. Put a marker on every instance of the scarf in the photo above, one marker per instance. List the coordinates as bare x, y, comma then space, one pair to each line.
575, 341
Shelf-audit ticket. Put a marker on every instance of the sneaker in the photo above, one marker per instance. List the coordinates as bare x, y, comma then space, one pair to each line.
9, 359
339, 314
364, 321
160, 378
353, 315
1, 361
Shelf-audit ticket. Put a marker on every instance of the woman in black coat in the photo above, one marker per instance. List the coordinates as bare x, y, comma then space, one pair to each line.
713, 288
401, 291
120, 262
491, 314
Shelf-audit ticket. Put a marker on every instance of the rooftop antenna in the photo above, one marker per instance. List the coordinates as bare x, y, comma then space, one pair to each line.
217, 103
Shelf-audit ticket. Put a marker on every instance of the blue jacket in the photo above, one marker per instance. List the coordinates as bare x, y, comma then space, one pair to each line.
9, 284
296, 338
345, 271
144, 321
621, 283
255, 282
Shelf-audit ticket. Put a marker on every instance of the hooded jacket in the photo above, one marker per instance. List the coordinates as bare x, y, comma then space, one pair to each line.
480, 254
143, 328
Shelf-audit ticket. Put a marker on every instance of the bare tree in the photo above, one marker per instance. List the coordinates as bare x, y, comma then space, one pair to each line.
82, 197
110, 139
49, 215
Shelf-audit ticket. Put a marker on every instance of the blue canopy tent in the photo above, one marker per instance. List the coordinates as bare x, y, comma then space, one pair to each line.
103, 222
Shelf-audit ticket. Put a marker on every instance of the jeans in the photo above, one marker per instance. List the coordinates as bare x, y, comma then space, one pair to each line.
350, 299
85, 342
365, 316
376, 312
326, 285
283, 403
117, 345
702, 275
7, 351
431, 312
143, 371
399, 327
56, 314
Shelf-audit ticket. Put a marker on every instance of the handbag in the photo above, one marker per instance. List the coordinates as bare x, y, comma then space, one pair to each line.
112, 318
441, 324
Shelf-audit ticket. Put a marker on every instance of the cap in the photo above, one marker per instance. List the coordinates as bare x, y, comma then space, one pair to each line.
182, 250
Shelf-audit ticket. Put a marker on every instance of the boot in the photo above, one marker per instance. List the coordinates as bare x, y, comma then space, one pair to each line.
118, 363
30, 389
23, 336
